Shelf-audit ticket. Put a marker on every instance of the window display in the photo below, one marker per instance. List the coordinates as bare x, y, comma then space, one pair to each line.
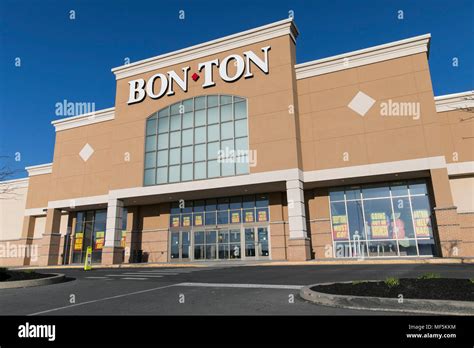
382, 220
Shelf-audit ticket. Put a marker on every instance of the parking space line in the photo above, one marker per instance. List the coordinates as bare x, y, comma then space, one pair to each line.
133, 274
103, 299
246, 286
134, 278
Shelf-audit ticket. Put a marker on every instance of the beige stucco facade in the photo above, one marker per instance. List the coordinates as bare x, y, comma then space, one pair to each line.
310, 137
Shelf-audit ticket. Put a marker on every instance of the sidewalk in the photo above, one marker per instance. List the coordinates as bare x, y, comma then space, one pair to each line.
204, 264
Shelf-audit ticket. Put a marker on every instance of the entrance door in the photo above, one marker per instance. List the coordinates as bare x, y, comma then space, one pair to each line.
180, 245
256, 243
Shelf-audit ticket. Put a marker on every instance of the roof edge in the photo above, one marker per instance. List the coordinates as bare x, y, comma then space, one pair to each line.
84, 119
370, 55
450, 102
266, 32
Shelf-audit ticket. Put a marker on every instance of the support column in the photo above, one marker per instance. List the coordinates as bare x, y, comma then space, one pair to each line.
446, 215
112, 253
27, 235
298, 243
50, 244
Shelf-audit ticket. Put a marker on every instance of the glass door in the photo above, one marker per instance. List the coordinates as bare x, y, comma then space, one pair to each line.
180, 245
174, 254
263, 250
249, 242
256, 243
186, 244
234, 246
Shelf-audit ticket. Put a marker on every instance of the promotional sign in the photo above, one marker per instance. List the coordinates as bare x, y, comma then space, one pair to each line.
186, 221
159, 84
249, 216
422, 223
175, 221
99, 240
198, 220
379, 225
78, 238
262, 215
340, 229
235, 218
88, 259
123, 240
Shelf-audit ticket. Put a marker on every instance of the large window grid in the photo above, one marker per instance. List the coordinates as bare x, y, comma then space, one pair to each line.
222, 211
402, 197
183, 140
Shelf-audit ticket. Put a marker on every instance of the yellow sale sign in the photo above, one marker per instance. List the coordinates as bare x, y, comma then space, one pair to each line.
422, 223
79, 237
339, 227
379, 225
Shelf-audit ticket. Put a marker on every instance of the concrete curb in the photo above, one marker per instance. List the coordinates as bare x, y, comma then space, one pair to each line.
57, 278
447, 261
126, 265
421, 306
441, 261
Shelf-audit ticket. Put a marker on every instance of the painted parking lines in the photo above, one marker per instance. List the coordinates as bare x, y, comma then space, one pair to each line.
242, 286
153, 273
101, 300
133, 276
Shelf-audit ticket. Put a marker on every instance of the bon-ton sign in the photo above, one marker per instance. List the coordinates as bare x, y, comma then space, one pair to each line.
160, 84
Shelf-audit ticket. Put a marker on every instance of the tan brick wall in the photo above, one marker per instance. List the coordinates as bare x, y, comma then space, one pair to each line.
278, 227
319, 223
153, 227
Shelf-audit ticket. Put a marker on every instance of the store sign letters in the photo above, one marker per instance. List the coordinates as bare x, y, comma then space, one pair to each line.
160, 84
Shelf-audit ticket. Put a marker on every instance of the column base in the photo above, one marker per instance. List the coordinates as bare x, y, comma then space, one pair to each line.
112, 255
49, 249
299, 249
449, 232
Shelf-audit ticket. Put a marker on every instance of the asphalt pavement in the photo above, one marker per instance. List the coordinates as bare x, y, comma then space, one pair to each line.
219, 290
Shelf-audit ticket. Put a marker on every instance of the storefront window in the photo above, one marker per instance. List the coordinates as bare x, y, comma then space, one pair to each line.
183, 141
224, 211
89, 231
382, 220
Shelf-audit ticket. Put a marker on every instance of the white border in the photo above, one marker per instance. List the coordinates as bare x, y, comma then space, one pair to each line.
16, 183
245, 38
375, 54
35, 211
40, 169
260, 178
84, 119
461, 168
450, 102
376, 169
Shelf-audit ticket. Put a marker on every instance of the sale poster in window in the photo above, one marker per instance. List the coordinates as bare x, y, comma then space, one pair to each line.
340, 229
78, 241
175, 221
197, 220
99, 240
123, 239
422, 223
262, 215
249, 216
235, 218
186, 221
379, 225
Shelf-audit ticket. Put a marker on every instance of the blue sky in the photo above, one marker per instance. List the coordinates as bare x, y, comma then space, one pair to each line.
63, 59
